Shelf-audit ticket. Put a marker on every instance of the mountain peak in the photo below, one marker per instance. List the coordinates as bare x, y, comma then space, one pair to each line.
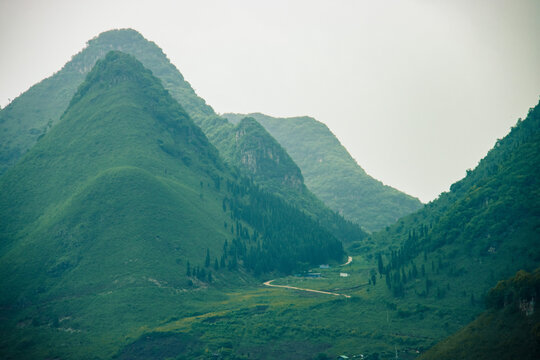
114, 68
33, 113
124, 34
331, 173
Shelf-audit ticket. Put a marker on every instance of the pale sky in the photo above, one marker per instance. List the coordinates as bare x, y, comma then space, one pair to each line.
417, 91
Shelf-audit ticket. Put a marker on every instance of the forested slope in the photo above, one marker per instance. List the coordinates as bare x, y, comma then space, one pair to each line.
333, 175
484, 229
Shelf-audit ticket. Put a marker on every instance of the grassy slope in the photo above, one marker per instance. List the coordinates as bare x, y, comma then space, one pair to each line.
266, 323
30, 115
41, 106
333, 175
100, 219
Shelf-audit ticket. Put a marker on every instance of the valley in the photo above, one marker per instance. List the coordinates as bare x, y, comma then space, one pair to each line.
137, 223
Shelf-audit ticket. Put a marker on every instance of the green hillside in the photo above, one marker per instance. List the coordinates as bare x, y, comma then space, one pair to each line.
123, 213
508, 329
30, 115
492, 216
333, 175
130, 232
486, 228
248, 147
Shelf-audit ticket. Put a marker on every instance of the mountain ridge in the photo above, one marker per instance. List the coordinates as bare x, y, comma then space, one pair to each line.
30, 112
333, 175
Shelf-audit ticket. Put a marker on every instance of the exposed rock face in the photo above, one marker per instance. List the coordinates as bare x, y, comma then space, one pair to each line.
261, 156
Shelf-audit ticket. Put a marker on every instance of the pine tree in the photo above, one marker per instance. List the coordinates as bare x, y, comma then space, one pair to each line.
188, 271
233, 264
216, 265
202, 274
380, 263
207, 260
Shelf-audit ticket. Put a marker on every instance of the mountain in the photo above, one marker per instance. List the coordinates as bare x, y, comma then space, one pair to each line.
248, 147
29, 116
485, 228
333, 175
34, 112
508, 329
123, 212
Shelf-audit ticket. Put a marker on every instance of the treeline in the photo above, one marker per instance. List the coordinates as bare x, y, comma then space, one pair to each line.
283, 238
401, 268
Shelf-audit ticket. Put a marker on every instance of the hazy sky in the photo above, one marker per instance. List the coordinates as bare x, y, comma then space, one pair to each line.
418, 91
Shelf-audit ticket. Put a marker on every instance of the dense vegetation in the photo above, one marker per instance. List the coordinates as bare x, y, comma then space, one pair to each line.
508, 329
123, 198
288, 237
333, 175
492, 216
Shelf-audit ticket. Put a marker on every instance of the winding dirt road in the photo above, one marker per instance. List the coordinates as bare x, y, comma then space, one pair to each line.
269, 283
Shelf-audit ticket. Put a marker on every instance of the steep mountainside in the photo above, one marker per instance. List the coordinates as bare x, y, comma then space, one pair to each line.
123, 209
333, 175
509, 329
29, 116
486, 228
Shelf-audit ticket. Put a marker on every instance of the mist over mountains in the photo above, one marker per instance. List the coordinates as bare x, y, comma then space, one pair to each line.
138, 223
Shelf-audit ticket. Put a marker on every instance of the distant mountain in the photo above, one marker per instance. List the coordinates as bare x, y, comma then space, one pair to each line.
333, 175
34, 112
250, 148
508, 329
126, 201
